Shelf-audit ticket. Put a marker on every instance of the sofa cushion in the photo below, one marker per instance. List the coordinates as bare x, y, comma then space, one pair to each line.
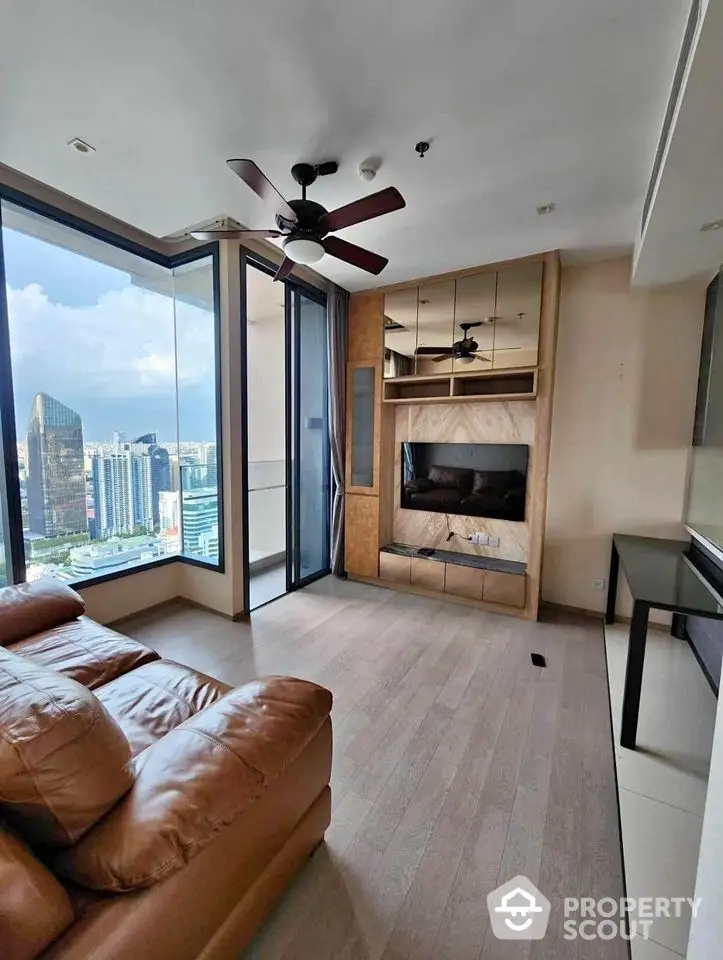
197, 779
28, 608
34, 907
85, 651
155, 698
63, 761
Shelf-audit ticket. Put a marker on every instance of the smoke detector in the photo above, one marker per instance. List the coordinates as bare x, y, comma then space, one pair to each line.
368, 168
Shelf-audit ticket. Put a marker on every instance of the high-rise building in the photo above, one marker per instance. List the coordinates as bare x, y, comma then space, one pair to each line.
54, 465
123, 493
160, 470
199, 513
169, 509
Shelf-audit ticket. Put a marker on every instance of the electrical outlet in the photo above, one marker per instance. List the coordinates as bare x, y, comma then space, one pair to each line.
598, 583
493, 541
480, 539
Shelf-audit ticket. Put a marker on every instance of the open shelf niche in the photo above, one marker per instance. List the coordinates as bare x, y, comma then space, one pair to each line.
505, 384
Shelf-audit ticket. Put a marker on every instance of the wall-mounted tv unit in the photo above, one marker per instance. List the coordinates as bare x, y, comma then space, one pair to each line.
466, 479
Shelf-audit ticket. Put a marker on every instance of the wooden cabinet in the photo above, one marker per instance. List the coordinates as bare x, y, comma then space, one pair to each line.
395, 568
361, 542
464, 581
428, 573
507, 588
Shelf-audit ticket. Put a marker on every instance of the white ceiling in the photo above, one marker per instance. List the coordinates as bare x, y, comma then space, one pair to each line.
690, 186
526, 102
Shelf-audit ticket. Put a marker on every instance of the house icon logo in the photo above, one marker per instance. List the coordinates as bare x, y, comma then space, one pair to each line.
518, 911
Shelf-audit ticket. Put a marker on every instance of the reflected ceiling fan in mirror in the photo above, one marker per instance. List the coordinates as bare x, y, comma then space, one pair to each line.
304, 224
463, 351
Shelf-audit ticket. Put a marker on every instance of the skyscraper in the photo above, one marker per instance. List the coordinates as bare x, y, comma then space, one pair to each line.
199, 512
122, 490
160, 471
55, 475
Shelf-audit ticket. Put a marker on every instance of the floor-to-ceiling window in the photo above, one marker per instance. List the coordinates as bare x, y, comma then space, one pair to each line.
287, 441
114, 359
266, 396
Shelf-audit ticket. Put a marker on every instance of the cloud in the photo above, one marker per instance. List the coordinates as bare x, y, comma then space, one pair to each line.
120, 346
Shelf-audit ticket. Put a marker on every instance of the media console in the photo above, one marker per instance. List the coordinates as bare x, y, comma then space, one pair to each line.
453, 575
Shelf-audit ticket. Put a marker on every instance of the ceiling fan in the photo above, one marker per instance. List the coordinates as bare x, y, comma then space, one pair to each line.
304, 224
463, 351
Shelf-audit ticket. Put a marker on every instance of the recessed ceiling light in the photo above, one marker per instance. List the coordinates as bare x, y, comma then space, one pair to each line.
80, 145
713, 225
545, 209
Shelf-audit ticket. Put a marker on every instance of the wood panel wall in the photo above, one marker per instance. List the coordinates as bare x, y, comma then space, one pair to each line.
370, 511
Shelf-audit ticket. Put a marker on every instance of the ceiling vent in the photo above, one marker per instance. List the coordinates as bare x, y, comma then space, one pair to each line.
675, 91
391, 325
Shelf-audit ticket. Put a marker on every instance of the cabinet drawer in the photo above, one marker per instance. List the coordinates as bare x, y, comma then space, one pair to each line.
464, 581
428, 573
395, 568
506, 588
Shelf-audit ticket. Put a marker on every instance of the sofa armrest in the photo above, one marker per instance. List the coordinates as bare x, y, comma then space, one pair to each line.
30, 608
197, 779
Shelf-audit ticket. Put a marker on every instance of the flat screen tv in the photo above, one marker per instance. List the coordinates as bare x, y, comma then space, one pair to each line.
467, 479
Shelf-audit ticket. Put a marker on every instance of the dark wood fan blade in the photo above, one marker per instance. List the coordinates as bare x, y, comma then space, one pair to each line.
445, 356
261, 185
234, 234
356, 256
432, 351
375, 205
483, 356
285, 269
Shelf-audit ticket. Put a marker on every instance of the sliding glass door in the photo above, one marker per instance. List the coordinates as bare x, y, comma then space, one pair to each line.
310, 441
286, 434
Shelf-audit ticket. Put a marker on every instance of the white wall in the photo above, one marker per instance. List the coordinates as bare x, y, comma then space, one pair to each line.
625, 385
124, 596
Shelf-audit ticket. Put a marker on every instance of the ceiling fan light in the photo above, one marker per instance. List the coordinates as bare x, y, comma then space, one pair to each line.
303, 250
464, 359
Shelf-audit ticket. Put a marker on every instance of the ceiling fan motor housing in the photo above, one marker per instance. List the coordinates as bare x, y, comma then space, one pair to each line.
309, 220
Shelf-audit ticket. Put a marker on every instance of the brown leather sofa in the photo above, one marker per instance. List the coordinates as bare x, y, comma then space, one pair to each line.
146, 810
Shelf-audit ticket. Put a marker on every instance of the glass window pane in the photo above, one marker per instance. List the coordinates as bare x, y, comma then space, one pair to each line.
313, 441
94, 332
362, 427
266, 399
197, 430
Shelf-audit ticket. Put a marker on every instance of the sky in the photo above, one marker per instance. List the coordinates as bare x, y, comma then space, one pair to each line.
84, 333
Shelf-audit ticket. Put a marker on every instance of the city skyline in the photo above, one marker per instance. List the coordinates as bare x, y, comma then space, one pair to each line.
81, 522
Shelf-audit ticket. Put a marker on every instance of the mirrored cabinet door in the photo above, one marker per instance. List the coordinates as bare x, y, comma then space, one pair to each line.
517, 327
435, 328
400, 332
474, 329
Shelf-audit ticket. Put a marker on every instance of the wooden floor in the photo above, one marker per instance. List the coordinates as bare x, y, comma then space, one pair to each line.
457, 766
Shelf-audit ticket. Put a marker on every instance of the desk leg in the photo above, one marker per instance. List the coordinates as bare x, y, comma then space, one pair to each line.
634, 674
612, 584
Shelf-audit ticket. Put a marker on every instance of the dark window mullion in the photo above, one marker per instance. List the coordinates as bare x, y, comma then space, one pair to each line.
10, 503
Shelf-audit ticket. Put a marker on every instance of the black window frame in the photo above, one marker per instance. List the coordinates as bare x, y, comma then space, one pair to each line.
292, 285
9, 478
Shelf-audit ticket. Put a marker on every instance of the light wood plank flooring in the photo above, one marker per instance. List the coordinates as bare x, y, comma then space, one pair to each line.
457, 766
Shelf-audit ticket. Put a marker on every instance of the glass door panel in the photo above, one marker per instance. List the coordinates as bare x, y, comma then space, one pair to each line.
266, 349
310, 441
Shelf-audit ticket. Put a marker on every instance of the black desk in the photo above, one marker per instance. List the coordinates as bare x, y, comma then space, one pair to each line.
661, 575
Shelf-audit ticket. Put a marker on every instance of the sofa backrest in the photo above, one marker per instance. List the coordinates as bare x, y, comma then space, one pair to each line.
64, 762
29, 608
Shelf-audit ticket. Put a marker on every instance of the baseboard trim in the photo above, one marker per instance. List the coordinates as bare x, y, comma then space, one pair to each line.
567, 608
154, 608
